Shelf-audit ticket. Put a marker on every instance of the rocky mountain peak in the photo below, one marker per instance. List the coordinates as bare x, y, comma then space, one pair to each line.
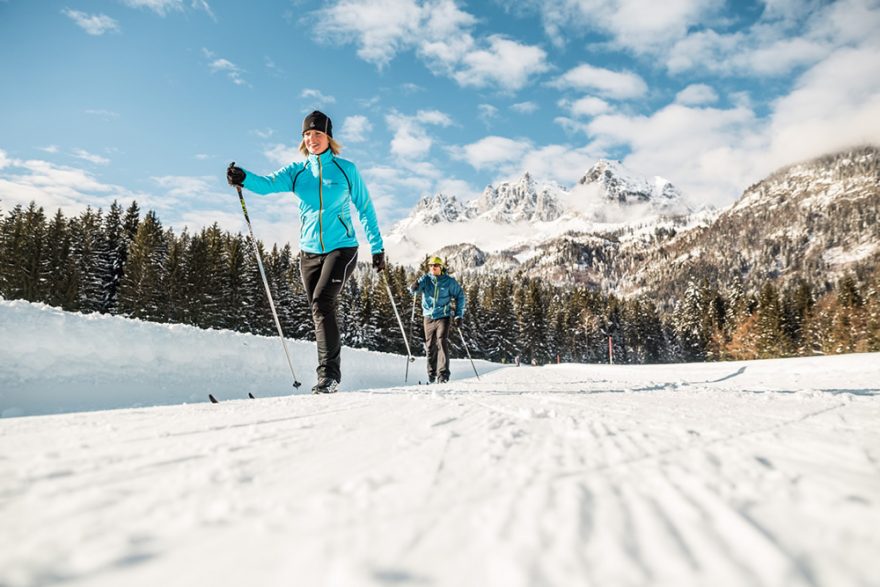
621, 186
436, 209
522, 200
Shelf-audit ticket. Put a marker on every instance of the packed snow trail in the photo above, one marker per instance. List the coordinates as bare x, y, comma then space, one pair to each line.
751, 473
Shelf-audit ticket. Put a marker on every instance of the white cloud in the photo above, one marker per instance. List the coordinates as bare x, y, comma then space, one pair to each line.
755, 53
504, 63
182, 187
411, 140
433, 117
487, 112
93, 24
381, 28
389, 185
586, 106
697, 94
612, 84
438, 31
203, 5
563, 164
50, 149
491, 151
263, 133
56, 187
789, 35
834, 105
232, 71
707, 152
90, 157
524, 107
713, 154
283, 155
317, 98
640, 26
160, 7
355, 129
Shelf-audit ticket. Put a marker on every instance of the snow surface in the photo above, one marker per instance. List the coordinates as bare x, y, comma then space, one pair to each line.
745, 473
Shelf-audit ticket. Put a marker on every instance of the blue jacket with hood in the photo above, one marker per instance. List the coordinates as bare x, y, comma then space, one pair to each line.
437, 295
326, 186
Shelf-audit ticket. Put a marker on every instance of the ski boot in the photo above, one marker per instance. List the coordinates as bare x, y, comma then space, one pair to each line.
325, 385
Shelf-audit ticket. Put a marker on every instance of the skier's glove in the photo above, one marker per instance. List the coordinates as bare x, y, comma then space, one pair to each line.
379, 261
414, 286
457, 321
235, 175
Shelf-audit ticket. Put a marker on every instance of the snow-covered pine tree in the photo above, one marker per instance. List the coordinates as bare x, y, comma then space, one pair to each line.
87, 250
63, 272
112, 253
141, 293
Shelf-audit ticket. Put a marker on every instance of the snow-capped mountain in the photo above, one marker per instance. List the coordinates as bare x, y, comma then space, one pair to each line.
520, 201
526, 212
619, 185
440, 208
813, 220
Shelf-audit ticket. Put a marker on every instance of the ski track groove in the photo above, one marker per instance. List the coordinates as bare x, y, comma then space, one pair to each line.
570, 483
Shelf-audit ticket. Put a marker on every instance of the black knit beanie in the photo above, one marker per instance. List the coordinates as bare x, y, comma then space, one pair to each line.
318, 121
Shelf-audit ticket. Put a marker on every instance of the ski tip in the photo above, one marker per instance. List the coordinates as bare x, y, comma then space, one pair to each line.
250, 395
213, 399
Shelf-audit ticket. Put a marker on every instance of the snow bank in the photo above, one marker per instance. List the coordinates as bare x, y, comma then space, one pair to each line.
53, 361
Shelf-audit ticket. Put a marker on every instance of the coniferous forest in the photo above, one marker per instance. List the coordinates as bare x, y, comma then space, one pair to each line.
125, 263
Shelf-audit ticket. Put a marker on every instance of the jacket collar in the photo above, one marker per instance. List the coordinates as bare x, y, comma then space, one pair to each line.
325, 157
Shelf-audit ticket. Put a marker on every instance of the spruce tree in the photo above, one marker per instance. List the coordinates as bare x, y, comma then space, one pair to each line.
63, 271
141, 292
113, 251
87, 250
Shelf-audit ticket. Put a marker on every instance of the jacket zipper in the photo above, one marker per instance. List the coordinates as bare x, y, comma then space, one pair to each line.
320, 203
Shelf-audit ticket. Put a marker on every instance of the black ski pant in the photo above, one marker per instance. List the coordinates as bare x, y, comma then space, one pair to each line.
437, 341
323, 276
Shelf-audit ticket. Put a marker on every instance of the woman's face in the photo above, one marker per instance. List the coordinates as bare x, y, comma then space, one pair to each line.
436, 270
316, 141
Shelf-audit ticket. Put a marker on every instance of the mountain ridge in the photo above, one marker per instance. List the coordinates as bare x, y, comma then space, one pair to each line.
810, 220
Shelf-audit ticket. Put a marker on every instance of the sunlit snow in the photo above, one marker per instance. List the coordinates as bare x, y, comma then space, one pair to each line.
745, 473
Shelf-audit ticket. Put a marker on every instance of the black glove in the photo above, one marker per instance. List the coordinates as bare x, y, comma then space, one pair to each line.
235, 175
379, 261
457, 321
414, 286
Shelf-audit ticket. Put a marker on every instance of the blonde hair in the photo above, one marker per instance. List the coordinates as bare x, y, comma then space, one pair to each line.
335, 147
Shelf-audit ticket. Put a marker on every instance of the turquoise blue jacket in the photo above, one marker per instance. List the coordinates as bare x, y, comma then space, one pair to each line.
437, 295
326, 186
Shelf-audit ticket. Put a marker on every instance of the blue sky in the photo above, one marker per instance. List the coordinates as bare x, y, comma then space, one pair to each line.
150, 99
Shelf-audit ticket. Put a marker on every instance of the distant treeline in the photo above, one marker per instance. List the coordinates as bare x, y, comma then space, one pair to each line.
123, 263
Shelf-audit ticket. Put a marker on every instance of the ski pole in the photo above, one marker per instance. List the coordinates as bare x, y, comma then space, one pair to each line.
247, 219
468, 352
409, 356
412, 317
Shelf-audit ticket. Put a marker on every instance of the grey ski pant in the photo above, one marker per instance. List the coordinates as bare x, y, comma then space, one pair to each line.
323, 276
437, 341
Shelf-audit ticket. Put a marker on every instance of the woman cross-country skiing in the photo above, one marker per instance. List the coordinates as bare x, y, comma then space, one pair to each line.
326, 186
